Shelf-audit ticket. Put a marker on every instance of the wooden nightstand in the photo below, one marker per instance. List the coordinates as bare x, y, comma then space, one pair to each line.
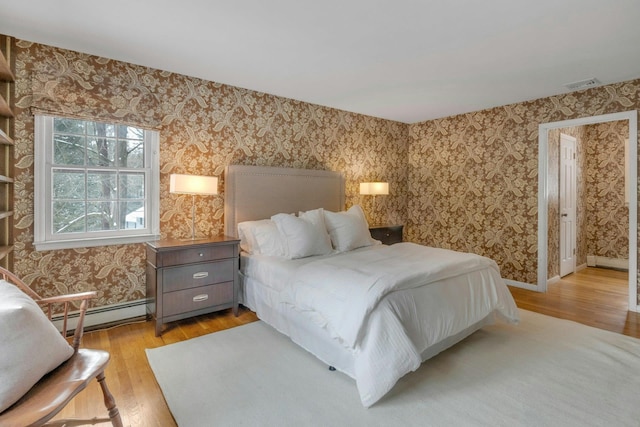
189, 278
387, 234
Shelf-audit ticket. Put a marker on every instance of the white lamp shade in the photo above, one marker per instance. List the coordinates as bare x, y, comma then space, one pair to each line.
374, 188
193, 184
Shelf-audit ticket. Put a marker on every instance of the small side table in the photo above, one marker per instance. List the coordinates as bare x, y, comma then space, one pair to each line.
387, 234
187, 278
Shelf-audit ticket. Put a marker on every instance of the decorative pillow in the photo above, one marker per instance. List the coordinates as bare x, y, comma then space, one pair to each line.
31, 344
245, 234
348, 230
305, 235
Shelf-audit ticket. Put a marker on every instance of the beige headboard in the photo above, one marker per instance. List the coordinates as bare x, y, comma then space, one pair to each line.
258, 192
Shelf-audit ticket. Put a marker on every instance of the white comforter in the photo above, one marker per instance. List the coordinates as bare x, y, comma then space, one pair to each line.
390, 304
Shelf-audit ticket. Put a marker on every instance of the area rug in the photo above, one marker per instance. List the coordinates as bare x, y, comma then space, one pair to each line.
542, 372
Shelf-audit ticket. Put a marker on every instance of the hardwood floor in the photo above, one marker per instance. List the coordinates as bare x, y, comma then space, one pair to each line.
595, 297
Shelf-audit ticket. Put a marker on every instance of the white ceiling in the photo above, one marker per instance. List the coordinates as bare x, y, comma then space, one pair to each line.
404, 60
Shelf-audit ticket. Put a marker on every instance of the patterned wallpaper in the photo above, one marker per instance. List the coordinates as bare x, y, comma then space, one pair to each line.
467, 182
204, 127
473, 178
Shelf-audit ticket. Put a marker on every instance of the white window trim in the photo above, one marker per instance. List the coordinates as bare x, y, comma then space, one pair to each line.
42, 196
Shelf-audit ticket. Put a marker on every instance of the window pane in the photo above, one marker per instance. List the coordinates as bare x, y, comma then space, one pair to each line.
130, 132
131, 186
133, 215
68, 150
100, 216
101, 129
68, 184
101, 151
101, 186
131, 154
68, 126
68, 217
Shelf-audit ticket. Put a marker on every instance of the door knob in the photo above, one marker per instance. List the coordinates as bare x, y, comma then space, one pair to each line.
564, 215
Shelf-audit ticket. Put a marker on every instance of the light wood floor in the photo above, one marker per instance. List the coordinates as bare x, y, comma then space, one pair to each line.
594, 297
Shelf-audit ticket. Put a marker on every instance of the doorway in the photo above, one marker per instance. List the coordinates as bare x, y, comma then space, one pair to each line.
543, 192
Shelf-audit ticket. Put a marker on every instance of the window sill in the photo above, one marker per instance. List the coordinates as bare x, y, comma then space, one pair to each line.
90, 243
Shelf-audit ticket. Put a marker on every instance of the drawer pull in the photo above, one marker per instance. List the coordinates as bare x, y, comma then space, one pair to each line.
200, 298
201, 275
201, 254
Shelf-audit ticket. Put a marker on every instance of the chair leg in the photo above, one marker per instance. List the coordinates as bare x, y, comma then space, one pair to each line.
109, 402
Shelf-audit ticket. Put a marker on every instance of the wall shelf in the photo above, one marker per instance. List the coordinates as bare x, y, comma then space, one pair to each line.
5, 139
5, 250
7, 124
5, 110
5, 71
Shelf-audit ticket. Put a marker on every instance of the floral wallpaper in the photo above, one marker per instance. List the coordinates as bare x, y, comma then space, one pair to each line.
473, 178
466, 182
204, 126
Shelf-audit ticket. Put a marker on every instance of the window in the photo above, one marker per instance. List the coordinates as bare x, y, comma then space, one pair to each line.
95, 183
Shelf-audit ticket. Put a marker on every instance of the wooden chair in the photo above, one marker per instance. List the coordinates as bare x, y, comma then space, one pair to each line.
52, 393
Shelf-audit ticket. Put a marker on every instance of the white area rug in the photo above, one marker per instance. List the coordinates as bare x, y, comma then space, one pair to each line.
543, 372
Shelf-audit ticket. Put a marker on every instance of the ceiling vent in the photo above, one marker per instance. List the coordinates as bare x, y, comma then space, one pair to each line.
583, 84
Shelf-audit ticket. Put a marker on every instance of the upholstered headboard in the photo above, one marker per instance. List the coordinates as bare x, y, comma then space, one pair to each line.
258, 192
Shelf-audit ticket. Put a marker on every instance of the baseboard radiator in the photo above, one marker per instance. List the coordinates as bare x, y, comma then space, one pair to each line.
605, 262
105, 315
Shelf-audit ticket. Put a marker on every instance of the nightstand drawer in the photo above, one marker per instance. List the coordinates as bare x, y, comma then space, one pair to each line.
197, 298
194, 275
187, 256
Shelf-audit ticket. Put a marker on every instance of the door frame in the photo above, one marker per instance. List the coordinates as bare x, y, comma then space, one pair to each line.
543, 220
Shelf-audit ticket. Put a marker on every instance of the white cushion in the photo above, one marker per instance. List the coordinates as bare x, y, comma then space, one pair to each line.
261, 237
30, 345
305, 235
348, 230
245, 234
268, 240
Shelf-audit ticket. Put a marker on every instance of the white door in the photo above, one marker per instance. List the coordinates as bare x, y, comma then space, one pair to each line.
567, 205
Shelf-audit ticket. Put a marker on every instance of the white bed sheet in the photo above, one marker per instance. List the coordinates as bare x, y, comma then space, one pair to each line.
407, 327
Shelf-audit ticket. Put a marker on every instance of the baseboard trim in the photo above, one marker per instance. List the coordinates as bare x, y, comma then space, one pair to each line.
522, 285
581, 267
105, 315
554, 279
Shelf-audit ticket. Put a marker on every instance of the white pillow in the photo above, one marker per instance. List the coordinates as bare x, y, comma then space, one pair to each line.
348, 230
261, 237
268, 240
30, 345
305, 235
247, 240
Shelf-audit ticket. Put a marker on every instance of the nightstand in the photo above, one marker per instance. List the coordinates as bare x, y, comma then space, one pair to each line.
192, 277
387, 234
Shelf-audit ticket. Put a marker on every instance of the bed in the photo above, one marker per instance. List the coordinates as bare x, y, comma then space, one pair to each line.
371, 311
